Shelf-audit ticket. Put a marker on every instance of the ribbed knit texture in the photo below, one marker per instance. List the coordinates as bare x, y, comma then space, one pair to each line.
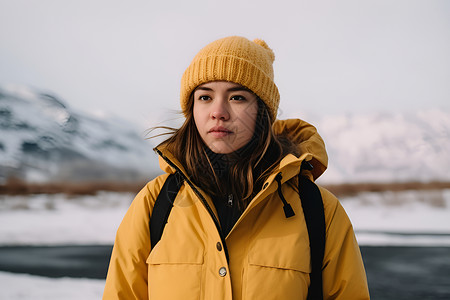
238, 60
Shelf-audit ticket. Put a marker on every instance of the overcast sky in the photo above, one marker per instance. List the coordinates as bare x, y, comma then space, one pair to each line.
126, 57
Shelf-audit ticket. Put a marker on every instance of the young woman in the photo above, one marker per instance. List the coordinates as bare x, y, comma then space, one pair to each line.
228, 236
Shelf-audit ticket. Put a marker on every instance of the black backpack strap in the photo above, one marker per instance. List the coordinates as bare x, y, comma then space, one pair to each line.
313, 210
163, 206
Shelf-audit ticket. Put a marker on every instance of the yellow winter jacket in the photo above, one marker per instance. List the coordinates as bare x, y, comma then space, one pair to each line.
269, 256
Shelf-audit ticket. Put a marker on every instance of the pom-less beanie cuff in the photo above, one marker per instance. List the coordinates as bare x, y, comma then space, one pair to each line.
238, 60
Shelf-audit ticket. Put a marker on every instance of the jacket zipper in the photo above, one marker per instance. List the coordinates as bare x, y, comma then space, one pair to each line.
202, 199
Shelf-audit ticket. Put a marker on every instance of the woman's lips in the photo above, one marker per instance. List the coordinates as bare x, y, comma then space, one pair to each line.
219, 131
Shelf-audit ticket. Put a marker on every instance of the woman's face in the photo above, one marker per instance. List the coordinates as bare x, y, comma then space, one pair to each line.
225, 115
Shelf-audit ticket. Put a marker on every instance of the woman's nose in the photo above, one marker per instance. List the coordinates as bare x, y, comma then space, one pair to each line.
220, 111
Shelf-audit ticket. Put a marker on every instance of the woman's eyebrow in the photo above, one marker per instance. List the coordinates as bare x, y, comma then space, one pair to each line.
238, 89
204, 88
231, 89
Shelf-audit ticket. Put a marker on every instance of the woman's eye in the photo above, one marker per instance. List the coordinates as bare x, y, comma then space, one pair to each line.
238, 98
204, 98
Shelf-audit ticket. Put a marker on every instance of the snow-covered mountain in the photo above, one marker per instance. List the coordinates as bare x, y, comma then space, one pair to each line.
42, 139
386, 147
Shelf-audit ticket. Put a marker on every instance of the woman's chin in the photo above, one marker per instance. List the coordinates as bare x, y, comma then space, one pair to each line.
222, 147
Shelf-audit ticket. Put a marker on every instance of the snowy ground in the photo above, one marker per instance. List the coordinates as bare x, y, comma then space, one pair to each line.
408, 218
405, 218
61, 220
28, 287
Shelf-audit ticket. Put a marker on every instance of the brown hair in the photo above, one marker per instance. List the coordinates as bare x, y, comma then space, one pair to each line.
248, 173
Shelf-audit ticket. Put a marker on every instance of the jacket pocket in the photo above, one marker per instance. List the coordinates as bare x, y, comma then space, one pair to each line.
176, 263
174, 276
278, 270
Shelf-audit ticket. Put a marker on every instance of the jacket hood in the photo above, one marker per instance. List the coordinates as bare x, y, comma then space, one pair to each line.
309, 143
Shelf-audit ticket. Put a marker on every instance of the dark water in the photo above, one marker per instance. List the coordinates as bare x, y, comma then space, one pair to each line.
394, 273
57, 261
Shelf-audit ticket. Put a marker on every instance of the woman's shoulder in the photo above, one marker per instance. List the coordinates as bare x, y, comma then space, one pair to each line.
150, 191
329, 199
331, 205
154, 186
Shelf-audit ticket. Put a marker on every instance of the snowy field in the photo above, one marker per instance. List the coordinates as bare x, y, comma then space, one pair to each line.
411, 218
408, 218
28, 287
416, 218
60, 219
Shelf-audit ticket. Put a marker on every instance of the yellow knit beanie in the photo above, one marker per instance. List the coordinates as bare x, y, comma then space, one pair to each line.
238, 60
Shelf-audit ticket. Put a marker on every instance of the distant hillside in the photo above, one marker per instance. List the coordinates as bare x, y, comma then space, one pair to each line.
42, 139
386, 147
